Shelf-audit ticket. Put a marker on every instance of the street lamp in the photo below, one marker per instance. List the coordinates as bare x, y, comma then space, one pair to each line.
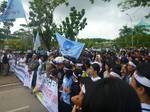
131, 26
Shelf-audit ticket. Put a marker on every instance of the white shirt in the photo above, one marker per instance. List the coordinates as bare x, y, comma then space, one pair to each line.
145, 107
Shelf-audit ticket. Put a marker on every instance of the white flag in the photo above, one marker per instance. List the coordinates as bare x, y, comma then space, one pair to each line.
37, 42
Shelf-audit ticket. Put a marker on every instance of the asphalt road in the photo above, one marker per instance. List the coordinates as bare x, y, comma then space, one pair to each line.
16, 98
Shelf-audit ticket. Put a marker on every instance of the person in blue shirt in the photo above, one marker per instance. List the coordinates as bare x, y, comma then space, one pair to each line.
65, 99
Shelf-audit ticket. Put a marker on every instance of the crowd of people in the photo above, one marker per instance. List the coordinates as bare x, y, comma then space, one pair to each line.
99, 81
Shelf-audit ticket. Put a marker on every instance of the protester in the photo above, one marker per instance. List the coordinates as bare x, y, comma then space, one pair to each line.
77, 79
86, 67
107, 71
65, 101
1, 63
115, 71
141, 83
5, 63
111, 95
94, 70
22, 59
33, 67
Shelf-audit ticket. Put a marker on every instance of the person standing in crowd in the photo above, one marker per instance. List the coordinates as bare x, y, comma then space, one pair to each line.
115, 71
110, 95
29, 56
86, 68
88, 81
0, 63
94, 71
123, 71
59, 62
107, 71
141, 83
40, 70
41, 65
65, 99
22, 59
33, 67
130, 69
5, 63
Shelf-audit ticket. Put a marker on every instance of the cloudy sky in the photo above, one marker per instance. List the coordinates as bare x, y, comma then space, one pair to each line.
104, 19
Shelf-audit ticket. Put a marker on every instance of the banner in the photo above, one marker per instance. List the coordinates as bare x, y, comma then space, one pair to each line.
48, 94
47, 88
68, 47
14, 10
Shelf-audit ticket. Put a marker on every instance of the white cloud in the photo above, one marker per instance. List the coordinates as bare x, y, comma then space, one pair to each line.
104, 19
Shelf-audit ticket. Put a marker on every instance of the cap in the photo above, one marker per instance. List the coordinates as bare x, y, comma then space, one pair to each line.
58, 60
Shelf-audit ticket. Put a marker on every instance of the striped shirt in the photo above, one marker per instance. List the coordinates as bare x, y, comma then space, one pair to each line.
145, 107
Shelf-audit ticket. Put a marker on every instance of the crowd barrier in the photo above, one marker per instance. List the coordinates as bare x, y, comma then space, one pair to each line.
48, 89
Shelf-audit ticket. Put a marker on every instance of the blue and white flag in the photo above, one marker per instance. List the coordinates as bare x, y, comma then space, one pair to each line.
68, 47
14, 10
37, 42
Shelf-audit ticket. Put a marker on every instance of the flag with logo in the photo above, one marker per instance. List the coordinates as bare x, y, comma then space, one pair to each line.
13, 10
68, 47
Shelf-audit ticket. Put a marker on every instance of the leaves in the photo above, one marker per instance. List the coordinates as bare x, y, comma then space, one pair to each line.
139, 34
128, 4
71, 26
41, 18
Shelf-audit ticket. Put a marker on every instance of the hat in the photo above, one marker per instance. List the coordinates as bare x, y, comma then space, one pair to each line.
58, 60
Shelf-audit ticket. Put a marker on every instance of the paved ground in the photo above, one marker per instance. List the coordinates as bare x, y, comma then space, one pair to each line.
16, 98
8, 79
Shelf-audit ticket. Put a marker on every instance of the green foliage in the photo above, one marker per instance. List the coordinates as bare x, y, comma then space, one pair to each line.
93, 42
25, 38
127, 4
138, 34
41, 18
71, 26
125, 31
3, 6
6, 24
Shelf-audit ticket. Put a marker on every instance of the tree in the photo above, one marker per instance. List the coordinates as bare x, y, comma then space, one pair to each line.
125, 31
41, 18
127, 4
24, 37
71, 26
138, 34
6, 24
93, 42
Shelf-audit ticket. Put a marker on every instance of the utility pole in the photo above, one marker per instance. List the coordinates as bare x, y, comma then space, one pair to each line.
132, 41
